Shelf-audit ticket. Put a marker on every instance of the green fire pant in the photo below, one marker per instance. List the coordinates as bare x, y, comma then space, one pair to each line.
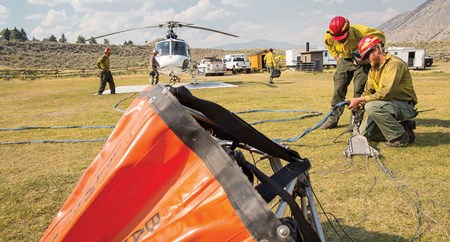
383, 119
345, 72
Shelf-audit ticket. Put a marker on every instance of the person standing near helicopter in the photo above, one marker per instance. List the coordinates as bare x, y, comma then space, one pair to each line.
154, 65
105, 76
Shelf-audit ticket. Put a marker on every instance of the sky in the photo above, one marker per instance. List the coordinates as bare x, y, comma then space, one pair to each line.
291, 21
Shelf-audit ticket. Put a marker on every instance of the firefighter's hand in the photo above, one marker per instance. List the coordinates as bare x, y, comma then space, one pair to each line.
356, 103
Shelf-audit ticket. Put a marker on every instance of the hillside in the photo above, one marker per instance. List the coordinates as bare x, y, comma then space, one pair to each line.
45, 55
49, 55
428, 22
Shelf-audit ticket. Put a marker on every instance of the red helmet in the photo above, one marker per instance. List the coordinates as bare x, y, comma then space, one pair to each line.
107, 50
339, 28
367, 44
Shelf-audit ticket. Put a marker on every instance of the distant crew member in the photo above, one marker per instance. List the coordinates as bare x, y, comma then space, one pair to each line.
154, 65
269, 59
105, 75
388, 99
341, 40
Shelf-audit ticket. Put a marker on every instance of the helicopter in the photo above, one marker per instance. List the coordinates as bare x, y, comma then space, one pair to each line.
174, 53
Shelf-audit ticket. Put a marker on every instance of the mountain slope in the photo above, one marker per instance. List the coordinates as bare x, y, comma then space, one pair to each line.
428, 22
259, 43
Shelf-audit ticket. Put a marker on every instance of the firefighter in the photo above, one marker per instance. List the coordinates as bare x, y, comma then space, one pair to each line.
341, 40
105, 75
269, 59
388, 99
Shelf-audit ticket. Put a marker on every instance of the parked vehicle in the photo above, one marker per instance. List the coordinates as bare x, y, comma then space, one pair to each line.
428, 61
211, 66
237, 63
415, 58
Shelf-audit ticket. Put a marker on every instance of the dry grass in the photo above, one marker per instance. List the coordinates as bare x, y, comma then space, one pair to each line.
35, 179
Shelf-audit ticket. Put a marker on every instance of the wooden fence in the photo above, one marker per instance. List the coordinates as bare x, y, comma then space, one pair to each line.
28, 74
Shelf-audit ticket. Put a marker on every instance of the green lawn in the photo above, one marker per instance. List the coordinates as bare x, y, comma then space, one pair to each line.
35, 179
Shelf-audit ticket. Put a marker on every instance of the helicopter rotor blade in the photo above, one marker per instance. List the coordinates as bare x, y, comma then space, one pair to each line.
123, 31
212, 30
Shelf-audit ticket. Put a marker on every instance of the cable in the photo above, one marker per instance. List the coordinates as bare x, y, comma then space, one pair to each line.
401, 188
328, 219
57, 127
294, 139
51, 141
121, 100
313, 114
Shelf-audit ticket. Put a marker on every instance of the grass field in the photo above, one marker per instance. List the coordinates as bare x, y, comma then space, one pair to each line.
35, 179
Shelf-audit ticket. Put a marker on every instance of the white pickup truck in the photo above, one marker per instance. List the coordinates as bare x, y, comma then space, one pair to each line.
237, 63
211, 66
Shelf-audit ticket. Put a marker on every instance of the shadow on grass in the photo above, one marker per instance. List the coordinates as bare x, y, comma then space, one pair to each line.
431, 139
234, 82
433, 122
357, 234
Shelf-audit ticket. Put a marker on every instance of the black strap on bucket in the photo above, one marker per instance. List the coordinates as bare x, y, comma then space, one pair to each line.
305, 228
228, 126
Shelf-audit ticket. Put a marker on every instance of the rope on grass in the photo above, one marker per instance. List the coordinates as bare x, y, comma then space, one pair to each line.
293, 139
309, 130
402, 187
121, 100
56, 127
53, 141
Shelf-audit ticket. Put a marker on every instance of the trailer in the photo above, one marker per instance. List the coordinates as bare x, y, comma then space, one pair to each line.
328, 60
295, 56
292, 57
415, 58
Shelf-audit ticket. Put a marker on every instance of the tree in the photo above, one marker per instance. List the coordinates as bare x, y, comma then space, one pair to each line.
7, 34
92, 41
15, 35
52, 38
24, 34
105, 41
130, 42
81, 40
62, 39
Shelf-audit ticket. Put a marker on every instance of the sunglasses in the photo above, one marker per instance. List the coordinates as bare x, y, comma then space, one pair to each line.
366, 56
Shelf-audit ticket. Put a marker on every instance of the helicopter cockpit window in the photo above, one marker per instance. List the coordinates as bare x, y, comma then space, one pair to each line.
179, 48
163, 47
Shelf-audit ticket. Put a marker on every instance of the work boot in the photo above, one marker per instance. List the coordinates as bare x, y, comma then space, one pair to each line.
329, 125
401, 141
409, 125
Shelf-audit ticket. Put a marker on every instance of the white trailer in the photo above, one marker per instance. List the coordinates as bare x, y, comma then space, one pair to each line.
328, 60
292, 57
415, 58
